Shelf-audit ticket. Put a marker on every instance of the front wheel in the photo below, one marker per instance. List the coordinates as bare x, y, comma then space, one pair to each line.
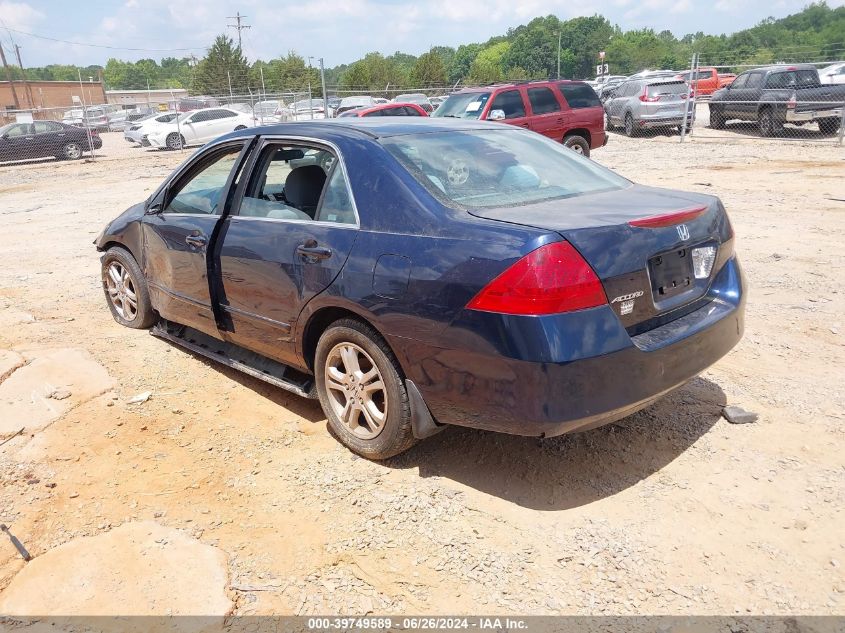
717, 119
361, 391
126, 289
175, 141
829, 126
577, 144
766, 123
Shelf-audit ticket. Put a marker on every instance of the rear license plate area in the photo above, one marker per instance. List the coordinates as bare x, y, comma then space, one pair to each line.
670, 273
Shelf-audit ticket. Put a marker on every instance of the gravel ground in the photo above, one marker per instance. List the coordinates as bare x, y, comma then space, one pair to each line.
669, 511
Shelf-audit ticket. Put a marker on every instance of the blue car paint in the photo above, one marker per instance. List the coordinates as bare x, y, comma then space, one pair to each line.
517, 374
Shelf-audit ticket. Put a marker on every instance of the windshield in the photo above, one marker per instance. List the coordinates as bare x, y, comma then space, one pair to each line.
497, 168
466, 105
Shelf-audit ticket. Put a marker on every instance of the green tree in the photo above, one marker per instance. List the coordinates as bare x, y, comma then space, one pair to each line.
223, 63
487, 67
462, 61
428, 71
372, 73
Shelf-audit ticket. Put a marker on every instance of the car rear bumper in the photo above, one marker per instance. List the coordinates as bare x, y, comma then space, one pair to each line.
593, 373
812, 115
656, 122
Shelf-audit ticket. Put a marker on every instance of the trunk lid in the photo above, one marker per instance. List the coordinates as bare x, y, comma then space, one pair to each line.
647, 270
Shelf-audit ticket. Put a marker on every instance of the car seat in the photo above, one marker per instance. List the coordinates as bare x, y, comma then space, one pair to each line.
303, 187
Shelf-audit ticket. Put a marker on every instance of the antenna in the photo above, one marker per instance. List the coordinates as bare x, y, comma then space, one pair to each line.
240, 27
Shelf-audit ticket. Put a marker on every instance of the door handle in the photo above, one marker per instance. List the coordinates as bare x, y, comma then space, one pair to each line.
312, 252
197, 241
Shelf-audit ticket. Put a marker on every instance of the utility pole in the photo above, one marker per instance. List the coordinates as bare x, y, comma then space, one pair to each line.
240, 27
26, 86
9, 77
325, 95
559, 33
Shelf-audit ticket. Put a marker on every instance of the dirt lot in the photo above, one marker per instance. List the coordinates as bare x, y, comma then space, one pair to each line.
670, 511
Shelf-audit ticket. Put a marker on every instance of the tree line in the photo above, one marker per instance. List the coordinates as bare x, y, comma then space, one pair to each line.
545, 47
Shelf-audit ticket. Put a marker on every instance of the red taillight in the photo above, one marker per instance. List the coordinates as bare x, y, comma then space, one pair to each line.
668, 219
793, 101
646, 99
552, 279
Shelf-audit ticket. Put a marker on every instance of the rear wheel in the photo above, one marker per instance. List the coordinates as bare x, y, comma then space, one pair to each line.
72, 151
577, 144
829, 126
361, 390
630, 130
175, 141
126, 289
767, 124
240, 127
717, 119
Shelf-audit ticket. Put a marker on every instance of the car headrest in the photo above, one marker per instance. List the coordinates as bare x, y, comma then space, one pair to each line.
303, 187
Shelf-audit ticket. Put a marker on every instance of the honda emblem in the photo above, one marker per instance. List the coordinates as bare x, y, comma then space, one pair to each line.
683, 231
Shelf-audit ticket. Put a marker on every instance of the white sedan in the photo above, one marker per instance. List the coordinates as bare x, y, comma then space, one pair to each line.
137, 129
833, 74
198, 127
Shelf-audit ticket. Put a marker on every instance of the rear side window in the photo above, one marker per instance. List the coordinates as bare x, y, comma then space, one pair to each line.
42, 127
411, 111
510, 102
375, 113
792, 79
579, 95
542, 101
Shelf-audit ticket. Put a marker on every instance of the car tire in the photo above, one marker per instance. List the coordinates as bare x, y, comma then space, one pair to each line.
630, 129
126, 289
175, 141
384, 429
828, 126
766, 123
717, 119
607, 123
577, 144
239, 128
72, 151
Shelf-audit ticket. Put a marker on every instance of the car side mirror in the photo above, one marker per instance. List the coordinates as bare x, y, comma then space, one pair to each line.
153, 209
496, 115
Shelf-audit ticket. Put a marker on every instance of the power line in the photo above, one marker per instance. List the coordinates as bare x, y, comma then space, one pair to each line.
238, 17
116, 48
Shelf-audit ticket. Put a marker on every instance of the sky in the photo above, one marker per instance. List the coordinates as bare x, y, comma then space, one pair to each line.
340, 31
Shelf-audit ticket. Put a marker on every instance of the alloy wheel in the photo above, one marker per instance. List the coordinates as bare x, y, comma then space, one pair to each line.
73, 151
356, 390
121, 289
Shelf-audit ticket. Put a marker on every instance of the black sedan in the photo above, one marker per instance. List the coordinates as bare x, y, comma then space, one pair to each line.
41, 139
413, 273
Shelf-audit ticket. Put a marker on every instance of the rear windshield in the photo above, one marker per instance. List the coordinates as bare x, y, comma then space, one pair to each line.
793, 79
676, 88
497, 168
467, 105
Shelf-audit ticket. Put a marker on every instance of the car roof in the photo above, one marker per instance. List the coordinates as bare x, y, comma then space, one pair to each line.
782, 68
374, 127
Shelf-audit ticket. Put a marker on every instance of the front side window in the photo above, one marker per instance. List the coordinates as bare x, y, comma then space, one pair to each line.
542, 101
497, 168
754, 80
200, 192
17, 130
739, 82
510, 102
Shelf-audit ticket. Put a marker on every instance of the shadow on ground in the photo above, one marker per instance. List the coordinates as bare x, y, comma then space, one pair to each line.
572, 470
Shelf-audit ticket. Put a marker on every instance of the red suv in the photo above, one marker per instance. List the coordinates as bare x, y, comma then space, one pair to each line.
567, 111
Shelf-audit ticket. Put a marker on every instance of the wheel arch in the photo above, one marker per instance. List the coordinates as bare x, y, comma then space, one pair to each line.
319, 321
580, 131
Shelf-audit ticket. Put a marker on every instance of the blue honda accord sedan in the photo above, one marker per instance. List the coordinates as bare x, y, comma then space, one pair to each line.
414, 274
